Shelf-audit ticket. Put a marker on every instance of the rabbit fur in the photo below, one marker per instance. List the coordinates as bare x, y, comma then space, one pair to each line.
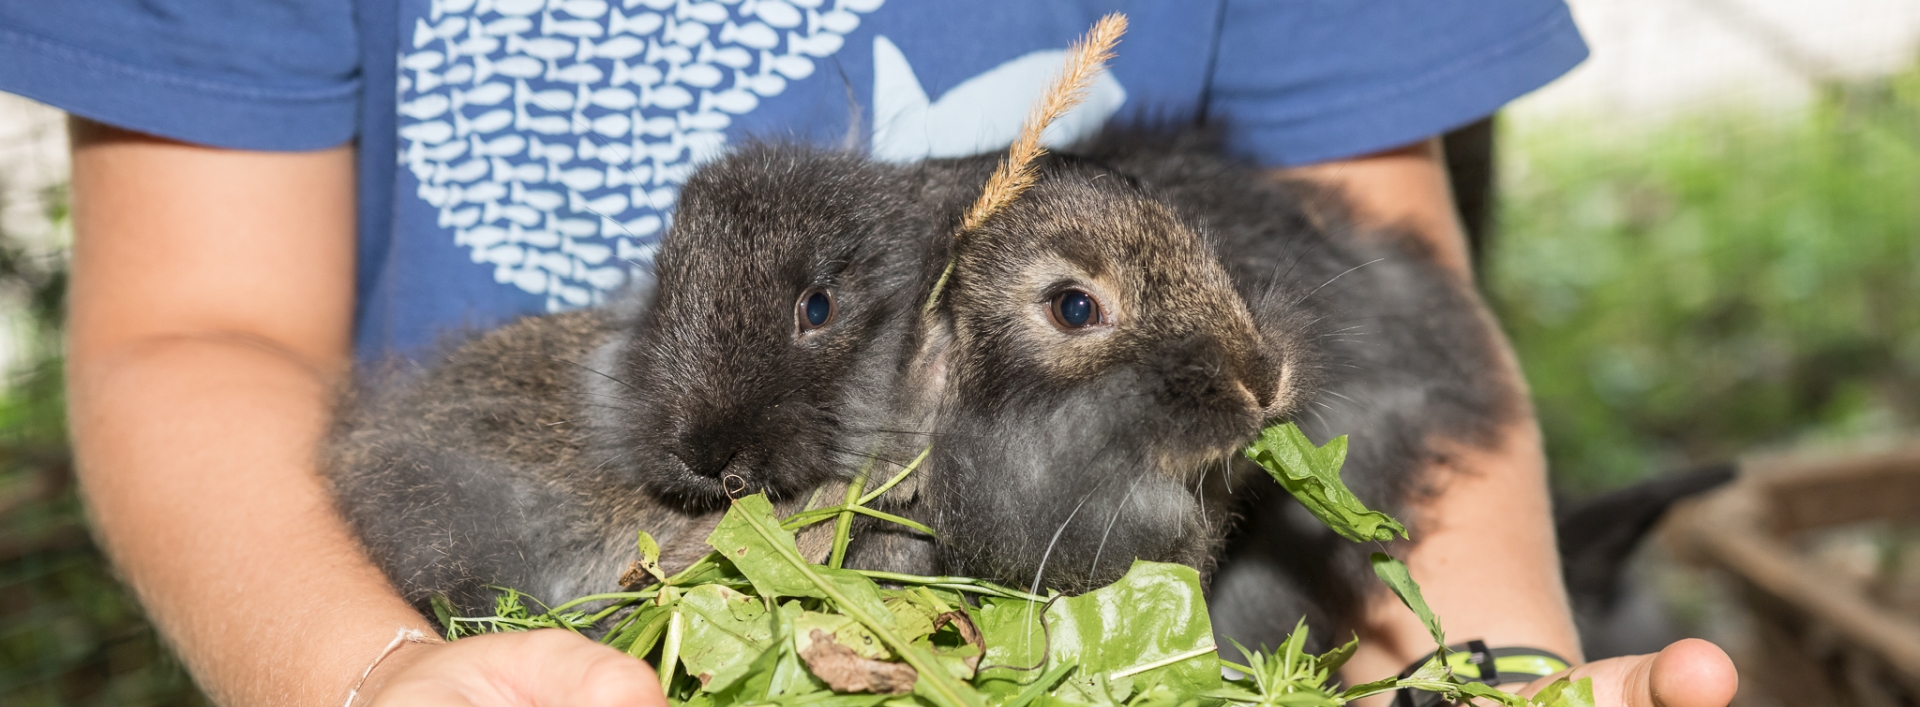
1238, 300
530, 456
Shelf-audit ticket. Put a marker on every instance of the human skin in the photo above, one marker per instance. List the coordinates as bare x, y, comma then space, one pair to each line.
209, 324
211, 305
1486, 559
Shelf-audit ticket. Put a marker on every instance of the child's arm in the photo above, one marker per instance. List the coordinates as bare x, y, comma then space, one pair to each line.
211, 306
1486, 560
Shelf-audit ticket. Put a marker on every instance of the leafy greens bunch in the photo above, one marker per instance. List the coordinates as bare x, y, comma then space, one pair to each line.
755, 623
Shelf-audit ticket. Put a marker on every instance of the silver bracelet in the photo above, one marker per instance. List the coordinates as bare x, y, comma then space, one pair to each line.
404, 636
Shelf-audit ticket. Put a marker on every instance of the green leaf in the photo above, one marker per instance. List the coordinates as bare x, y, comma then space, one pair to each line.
751, 538
842, 629
1312, 475
1395, 574
725, 632
753, 682
1304, 699
1039, 687
1101, 632
443, 612
1565, 693
913, 613
1333, 660
644, 633
791, 679
650, 556
761, 556
1371, 688
830, 699
1478, 689
710, 568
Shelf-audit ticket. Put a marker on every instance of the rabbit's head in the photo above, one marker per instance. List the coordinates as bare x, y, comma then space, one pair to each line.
1100, 375
774, 333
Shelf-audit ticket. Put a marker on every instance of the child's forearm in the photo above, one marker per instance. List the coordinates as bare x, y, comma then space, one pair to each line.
211, 298
1485, 557
1485, 554
196, 460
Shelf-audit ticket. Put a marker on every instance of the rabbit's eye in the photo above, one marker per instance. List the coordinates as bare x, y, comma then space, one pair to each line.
815, 309
1074, 309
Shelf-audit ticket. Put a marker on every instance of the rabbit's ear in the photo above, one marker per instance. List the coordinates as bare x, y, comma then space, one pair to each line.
930, 365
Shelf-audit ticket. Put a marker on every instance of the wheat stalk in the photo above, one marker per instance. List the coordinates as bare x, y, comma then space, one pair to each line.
1086, 60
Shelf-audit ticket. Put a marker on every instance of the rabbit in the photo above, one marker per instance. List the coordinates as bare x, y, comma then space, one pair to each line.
763, 355
1097, 367
1118, 334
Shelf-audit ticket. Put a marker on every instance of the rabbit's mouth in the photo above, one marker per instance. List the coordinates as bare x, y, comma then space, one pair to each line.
1189, 466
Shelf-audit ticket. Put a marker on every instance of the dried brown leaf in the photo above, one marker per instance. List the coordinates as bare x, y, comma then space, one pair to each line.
845, 671
968, 632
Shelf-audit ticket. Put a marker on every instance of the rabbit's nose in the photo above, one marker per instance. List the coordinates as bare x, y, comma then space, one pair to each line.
707, 452
1262, 380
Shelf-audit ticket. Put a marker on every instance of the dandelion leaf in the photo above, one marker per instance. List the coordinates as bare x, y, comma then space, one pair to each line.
1312, 474
1398, 579
1102, 633
726, 631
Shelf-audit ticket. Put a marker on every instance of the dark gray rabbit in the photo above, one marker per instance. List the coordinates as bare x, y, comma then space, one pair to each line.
1115, 337
764, 356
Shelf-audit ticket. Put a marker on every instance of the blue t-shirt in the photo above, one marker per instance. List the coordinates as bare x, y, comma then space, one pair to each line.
523, 155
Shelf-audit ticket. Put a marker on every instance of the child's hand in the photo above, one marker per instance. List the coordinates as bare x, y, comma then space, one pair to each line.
1689, 673
550, 668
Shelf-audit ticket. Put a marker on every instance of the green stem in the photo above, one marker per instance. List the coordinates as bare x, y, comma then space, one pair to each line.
1243, 670
889, 517
946, 690
806, 518
801, 520
643, 594
955, 583
1046, 682
933, 297
602, 614
897, 478
618, 626
843, 526
670, 653
705, 562
1161, 663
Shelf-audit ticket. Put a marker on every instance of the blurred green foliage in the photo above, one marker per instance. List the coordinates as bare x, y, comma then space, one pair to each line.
1724, 283
70, 634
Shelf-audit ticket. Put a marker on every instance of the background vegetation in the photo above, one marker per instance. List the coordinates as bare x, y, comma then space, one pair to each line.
69, 633
1727, 283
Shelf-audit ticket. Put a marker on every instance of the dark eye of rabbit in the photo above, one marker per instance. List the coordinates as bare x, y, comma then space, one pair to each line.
816, 309
1074, 309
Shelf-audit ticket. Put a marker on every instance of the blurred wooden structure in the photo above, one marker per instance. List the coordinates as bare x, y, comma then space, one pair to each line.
1820, 636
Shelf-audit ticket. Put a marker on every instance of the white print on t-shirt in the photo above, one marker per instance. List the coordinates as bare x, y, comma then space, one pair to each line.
553, 135
980, 114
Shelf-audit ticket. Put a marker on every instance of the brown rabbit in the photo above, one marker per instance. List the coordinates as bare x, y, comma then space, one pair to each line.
1100, 375
1114, 338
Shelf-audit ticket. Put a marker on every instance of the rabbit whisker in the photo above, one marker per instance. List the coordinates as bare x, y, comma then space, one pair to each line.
1336, 277
1299, 256
1041, 571
1198, 482
853, 452
1093, 568
618, 457
590, 369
